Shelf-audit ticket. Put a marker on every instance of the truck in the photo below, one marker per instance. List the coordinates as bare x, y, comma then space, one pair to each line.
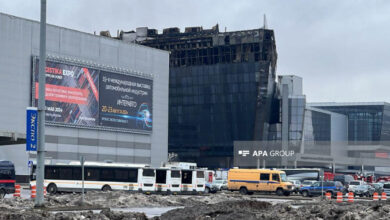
248, 181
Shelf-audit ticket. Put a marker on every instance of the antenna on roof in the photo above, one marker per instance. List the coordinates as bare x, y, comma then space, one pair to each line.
265, 25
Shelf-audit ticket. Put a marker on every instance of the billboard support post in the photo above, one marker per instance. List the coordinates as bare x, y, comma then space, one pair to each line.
41, 109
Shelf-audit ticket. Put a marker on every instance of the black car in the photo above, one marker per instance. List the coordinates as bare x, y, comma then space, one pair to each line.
7, 178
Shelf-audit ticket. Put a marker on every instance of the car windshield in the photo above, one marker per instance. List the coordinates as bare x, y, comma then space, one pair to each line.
283, 177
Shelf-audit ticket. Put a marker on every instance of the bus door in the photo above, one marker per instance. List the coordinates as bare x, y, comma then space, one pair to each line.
147, 182
200, 181
174, 180
161, 180
264, 184
186, 180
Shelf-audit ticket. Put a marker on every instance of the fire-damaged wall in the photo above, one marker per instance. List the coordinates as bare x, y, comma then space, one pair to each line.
221, 88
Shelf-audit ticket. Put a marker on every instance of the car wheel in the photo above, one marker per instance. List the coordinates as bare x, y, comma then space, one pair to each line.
279, 192
52, 189
106, 188
305, 193
243, 191
207, 190
2, 193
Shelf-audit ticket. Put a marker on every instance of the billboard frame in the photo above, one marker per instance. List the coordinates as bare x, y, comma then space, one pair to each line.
93, 65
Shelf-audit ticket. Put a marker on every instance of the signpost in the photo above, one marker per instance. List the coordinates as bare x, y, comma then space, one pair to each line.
32, 129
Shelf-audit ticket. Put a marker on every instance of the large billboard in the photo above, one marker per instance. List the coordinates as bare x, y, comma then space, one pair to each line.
85, 96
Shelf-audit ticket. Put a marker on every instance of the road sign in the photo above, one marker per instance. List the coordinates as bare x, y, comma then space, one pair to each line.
31, 129
30, 164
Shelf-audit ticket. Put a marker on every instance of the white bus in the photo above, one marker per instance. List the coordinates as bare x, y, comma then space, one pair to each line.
193, 181
97, 176
168, 180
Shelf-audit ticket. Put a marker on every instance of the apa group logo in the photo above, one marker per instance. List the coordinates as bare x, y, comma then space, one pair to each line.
243, 153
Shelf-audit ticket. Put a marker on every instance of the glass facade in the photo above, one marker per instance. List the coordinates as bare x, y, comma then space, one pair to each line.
221, 90
317, 135
367, 124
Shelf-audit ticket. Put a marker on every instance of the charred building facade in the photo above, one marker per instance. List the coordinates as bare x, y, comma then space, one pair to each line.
222, 89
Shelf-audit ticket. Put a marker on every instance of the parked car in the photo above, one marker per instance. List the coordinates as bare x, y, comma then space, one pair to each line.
220, 184
363, 190
7, 178
386, 188
378, 187
296, 185
317, 188
353, 184
210, 188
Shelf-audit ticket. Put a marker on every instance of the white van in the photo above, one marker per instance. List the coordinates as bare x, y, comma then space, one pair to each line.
146, 179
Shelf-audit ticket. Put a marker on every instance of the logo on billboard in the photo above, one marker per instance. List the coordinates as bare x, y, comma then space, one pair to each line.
243, 153
31, 129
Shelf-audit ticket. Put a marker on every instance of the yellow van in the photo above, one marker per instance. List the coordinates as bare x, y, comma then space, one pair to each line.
248, 181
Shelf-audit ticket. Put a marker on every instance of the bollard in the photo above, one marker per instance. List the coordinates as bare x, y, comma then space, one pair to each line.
375, 197
33, 192
339, 197
384, 196
17, 191
44, 191
350, 197
328, 196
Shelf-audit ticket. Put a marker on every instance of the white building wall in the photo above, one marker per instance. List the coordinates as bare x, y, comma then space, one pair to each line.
19, 41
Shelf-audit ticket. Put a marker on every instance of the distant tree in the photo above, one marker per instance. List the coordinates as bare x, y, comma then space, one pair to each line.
173, 157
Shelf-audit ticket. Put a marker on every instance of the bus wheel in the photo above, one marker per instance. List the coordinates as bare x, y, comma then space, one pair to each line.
279, 192
243, 191
2, 193
106, 188
52, 188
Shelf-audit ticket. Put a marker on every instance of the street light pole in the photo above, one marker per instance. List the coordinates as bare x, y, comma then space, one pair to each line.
41, 108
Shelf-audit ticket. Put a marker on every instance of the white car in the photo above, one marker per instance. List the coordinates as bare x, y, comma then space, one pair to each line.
353, 184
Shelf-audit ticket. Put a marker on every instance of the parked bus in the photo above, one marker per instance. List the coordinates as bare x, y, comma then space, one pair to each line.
193, 180
303, 174
97, 176
7, 178
168, 180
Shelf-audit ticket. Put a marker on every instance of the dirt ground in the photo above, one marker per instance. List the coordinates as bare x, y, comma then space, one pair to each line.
214, 206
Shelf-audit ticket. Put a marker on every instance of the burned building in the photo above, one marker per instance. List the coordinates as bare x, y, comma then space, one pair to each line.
221, 88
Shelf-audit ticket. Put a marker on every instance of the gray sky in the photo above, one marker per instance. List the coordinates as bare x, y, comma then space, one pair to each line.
340, 48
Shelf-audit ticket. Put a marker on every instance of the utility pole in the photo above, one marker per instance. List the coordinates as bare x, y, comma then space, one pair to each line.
41, 108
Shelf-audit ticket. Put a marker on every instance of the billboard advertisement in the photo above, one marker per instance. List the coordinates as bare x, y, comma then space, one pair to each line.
78, 95
125, 101
71, 94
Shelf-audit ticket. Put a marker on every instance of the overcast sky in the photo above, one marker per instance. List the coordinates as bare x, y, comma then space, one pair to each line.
341, 48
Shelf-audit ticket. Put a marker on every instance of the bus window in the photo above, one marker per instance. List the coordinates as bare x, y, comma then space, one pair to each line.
77, 173
148, 172
107, 174
199, 174
133, 175
121, 175
6, 174
161, 176
92, 174
51, 173
264, 176
175, 174
65, 173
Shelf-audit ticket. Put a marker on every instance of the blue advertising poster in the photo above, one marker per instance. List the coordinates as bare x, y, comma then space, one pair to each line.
31, 129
